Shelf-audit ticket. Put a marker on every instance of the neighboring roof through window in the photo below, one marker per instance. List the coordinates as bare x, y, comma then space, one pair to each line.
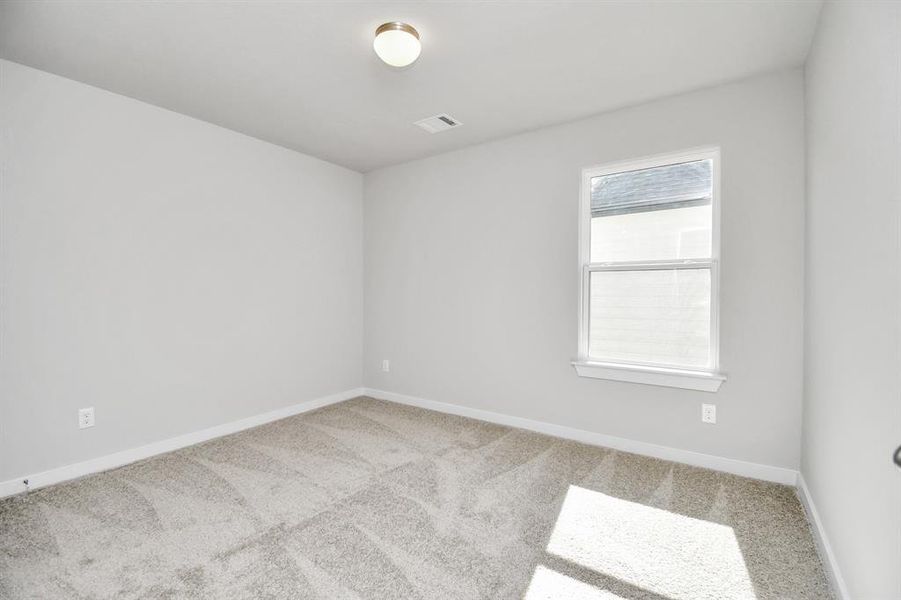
656, 188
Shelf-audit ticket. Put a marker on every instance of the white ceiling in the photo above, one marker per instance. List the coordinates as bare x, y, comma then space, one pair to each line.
303, 74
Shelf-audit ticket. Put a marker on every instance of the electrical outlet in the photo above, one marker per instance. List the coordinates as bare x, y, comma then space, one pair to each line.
708, 413
386, 365
85, 417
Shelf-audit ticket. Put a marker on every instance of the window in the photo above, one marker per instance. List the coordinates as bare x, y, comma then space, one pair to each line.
649, 235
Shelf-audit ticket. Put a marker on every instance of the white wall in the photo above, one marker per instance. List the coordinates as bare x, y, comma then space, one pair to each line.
852, 411
472, 278
171, 274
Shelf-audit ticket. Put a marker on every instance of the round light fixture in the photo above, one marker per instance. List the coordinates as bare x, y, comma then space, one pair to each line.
397, 44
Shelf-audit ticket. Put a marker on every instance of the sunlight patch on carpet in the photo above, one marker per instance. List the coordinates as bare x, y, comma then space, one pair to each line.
548, 584
665, 553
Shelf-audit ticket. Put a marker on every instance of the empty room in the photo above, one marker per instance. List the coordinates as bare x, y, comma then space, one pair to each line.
577, 300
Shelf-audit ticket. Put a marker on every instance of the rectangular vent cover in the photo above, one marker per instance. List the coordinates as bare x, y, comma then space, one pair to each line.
438, 123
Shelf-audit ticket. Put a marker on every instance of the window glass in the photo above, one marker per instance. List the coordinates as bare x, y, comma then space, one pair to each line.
661, 213
652, 317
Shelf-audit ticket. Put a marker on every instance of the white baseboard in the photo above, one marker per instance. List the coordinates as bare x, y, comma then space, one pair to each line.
823, 545
12, 487
117, 459
697, 459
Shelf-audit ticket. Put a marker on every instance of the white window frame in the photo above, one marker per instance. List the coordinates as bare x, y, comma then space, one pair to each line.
706, 379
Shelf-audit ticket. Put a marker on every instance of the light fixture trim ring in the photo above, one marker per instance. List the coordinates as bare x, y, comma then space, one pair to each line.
396, 26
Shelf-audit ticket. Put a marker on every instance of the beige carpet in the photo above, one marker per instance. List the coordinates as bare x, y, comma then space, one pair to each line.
368, 499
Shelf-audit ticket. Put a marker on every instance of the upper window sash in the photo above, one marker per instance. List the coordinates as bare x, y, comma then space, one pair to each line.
707, 153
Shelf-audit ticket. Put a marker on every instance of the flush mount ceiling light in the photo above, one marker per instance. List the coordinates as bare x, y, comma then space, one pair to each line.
397, 44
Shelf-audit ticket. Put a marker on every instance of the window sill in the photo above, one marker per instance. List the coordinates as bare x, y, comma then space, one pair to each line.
687, 380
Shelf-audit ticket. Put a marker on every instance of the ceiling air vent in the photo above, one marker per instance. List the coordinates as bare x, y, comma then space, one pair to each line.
438, 123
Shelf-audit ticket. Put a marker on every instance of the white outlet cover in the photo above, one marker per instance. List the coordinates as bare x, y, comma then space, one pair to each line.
386, 365
85, 417
708, 413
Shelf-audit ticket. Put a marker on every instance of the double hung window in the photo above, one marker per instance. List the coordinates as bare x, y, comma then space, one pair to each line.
650, 269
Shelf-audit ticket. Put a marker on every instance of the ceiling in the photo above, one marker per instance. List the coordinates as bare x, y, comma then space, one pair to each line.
303, 74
